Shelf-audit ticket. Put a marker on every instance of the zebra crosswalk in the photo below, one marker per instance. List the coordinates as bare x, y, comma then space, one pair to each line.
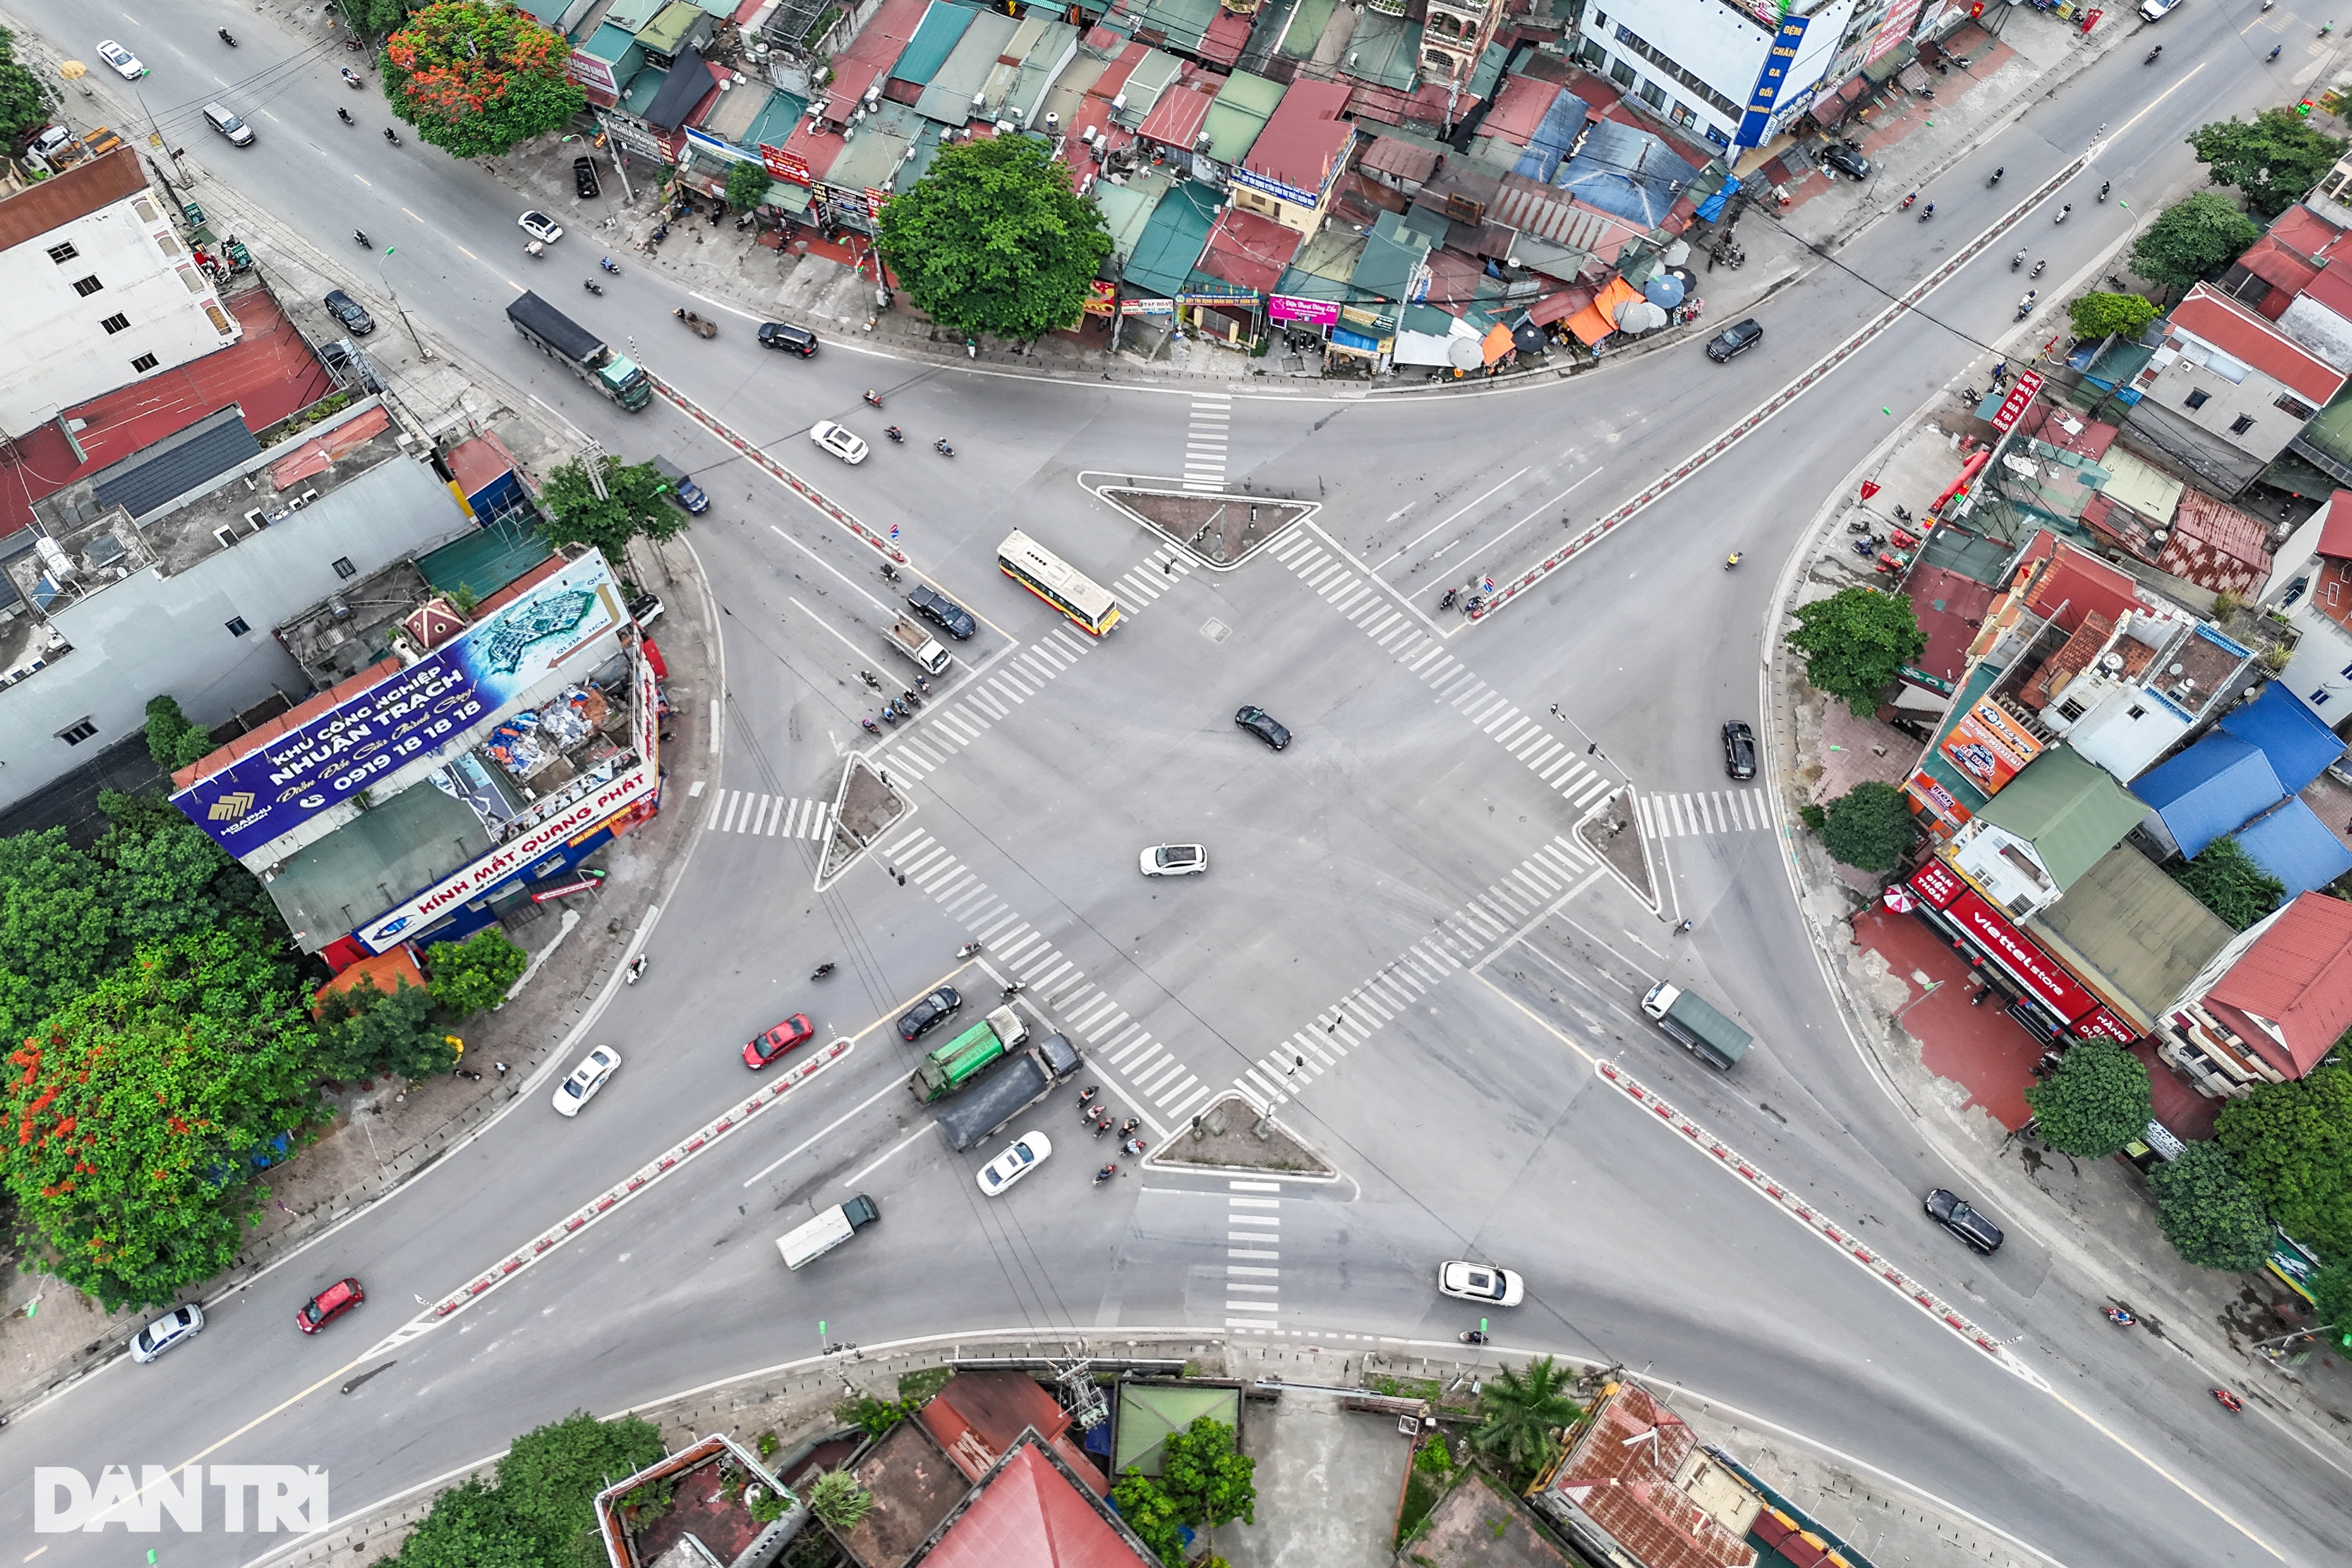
1204, 441
1700, 812
1252, 1252
769, 815
1407, 641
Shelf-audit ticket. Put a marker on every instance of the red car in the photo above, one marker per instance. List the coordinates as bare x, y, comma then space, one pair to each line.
795, 1030
330, 1304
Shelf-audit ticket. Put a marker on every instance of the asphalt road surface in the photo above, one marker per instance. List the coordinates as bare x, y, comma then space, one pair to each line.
1398, 893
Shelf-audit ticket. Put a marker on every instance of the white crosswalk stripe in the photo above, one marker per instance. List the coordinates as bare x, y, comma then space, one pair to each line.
1253, 1254
767, 816
1204, 441
1701, 813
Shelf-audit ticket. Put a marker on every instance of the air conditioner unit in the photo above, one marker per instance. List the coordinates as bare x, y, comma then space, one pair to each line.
225, 536
980, 100
872, 96
1086, 134
253, 517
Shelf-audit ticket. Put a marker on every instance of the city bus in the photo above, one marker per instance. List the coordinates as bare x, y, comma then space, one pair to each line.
1057, 582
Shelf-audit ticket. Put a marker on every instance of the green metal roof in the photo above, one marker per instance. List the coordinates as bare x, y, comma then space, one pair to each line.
1182, 22
1148, 1412
773, 125
1306, 25
1384, 51
1127, 209
486, 559
1386, 270
643, 88
1243, 107
377, 859
2136, 928
670, 25
1171, 242
2070, 809
940, 31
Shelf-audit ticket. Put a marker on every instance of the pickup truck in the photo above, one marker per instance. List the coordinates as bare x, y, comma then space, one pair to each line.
1712, 1038
918, 645
949, 1067
1007, 1092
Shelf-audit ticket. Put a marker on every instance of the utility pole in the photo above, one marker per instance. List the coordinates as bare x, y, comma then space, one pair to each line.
423, 353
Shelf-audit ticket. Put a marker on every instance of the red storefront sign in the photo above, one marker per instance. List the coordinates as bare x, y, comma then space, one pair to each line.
787, 166
1937, 883
2020, 394
2102, 1025
2036, 970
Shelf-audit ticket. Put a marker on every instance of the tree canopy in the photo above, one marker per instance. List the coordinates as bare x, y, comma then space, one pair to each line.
1523, 1408
2292, 1143
2225, 878
2097, 1100
2192, 240
537, 1511
632, 504
476, 80
474, 975
1151, 1514
1207, 1477
747, 184
1869, 827
174, 740
2097, 315
2212, 1218
992, 240
1855, 644
26, 100
2274, 158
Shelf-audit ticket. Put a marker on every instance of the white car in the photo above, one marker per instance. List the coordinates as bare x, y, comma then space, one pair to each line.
539, 226
586, 1078
179, 1323
126, 64
838, 441
1028, 1153
1488, 1286
1175, 859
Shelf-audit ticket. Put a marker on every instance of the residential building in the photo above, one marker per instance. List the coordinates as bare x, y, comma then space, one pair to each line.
1290, 170
2277, 268
2244, 781
2049, 825
706, 1519
2270, 1005
2132, 935
2331, 199
1453, 35
2225, 390
100, 290
1736, 74
2320, 674
1632, 1485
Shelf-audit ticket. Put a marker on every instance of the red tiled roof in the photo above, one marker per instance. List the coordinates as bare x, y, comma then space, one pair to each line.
2331, 286
1620, 1473
1030, 1515
2305, 233
2336, 533
2076, 585
2286, 273
2242, 335
88, 187
1950, 608
1518, 108
1249, 251
1393, 156
2216, 546
2297, 975
1304, 139
978, 1416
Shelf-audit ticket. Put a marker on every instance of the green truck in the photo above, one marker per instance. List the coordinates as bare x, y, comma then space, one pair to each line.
1712, 1038
956, 1063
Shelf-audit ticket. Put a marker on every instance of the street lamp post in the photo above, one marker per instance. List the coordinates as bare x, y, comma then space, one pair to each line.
1266, 1118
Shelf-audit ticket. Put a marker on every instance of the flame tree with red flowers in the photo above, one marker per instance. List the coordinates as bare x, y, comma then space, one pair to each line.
477, 80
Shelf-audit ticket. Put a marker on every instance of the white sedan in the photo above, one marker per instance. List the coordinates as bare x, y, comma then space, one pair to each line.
179, 1323
1028, 1153
126, 64
838, 441
540, 227
1478, 1283
586, 1078
1174, 859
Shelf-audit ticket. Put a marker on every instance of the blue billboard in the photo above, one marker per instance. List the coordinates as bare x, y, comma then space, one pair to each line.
1777, 62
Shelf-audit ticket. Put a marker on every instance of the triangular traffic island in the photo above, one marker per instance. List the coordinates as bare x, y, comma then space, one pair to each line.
1612, 830
1219, 531
1228, 1134
866, 805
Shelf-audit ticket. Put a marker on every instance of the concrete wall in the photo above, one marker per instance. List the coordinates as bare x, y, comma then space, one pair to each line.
2320, 675
150, 634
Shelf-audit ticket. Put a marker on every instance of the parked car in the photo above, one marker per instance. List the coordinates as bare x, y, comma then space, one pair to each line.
540, 227
1735, 339
1482, 1283
1952, 1212
792, 340
179, 1323
1175, 859
645, 609
1265, 726
1845, 161
795, 1030
1028, 1152
348, 311
583, 178
942, 612
1739, 750
328, 1305
586, 1078
929, 1013
126, 64
838, 441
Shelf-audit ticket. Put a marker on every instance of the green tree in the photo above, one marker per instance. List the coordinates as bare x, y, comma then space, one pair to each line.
477, 80
1855, 644
632, 504
2097, 1100
2225, 878
2212, 1219
27, 100
165, 878
2293, 1144
2192, 240
550, 1477
137, 1105
838, 1499
1151, 1514
1207, 1477
473, 975
2274, 158
469, 1526
1523, 1410
173, 739
374, 18
2096, 315
364, 1030
747, 186
1869, 827
2331, 1296
992, 241
56, 927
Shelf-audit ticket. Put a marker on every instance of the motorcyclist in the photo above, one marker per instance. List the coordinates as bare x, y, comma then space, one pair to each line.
895, 433
2018, 260
344, 114
2025, 306
1997, 174
228, 38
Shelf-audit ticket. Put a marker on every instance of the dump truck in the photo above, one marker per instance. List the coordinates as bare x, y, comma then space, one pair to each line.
62, 150
950, 1066
1712, 1038
581, 352
1006, 1091
918, 645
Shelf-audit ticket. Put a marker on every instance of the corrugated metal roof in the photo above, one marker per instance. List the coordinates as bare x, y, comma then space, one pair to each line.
2136, 928
941, 29
178, 464
2297, 975
2298, 746
2292, 844
2070, 809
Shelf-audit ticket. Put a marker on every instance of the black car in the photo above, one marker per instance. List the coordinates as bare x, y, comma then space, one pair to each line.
1265, 726
346, 310
1738, 751
1949, 1210
792, 340
940, 610
929, 1013
1735, 339
1845, 161
583, 178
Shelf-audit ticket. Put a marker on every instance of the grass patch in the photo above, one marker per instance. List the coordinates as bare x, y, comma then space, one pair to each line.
1405, 1387
918, 1386
1422, 1490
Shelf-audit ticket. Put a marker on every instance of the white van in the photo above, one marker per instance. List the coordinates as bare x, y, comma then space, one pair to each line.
827, 1231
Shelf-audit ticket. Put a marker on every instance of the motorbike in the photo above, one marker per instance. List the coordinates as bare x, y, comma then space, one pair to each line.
696, 324
1133, 1146
2152, 53
354, 45
1086, 1095
2038, 267
873, 398
2119, 1316
1997, 174
228, 38
1130, 1125
890, 573
2231, 1402
889, 715
1903, 512
345, 116
2018, 260
895, 434
609, 265
351, 78
392, 136
2273, 54
909, 702
1868, 545
2106, 186
661, 232
942, 448
1859, 525
1102, 1126
1732, 561
1447, 603
361, 235
636, 967
1012, 988
870, 679
2064, 212
536, 249
592, 285
1928, 212
1904, 205
821, 970
1472, 1337
870, 726
1105, 1174
967, 950
2025, 306
922, 683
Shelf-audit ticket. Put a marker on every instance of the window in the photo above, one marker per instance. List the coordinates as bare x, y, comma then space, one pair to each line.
61, 254
343, 567
1620, 73
236, 626
116, 323
2241, 423
2329, 594
86, 287
1600, 21
2069, 710
2287, 402
1654, 95
145, 363
75, 733
2197, 400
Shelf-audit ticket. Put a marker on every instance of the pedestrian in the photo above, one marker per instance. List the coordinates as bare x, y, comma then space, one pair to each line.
1333, 1027
500, 1068
1681, 928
